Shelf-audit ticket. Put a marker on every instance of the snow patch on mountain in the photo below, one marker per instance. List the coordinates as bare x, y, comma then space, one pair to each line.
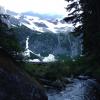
49, 38
43, 25
36, 23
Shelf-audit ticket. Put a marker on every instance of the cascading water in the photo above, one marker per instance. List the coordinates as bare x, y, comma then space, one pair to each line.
75, 45
74, 48
59, 43
27, 43
59, 49
70, 44
77, 90
67, 46
27, 51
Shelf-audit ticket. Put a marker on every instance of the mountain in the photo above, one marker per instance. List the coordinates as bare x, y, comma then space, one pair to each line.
49, 38
43, 25
38, 22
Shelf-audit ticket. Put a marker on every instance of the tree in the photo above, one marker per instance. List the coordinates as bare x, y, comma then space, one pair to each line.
8, 40
87, 13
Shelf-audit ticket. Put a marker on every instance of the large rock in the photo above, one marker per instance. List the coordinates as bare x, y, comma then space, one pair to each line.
16, 84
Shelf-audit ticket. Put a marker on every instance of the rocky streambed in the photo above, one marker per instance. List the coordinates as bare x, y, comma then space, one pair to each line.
79, 89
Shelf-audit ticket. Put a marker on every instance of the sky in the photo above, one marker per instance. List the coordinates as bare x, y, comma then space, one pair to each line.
38, 6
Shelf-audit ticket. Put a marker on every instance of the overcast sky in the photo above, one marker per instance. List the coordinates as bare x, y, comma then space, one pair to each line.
39, 6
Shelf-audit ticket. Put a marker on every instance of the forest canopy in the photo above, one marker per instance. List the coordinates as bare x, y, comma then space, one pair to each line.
87, 13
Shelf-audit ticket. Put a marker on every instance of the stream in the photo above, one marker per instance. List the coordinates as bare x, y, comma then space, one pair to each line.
79, 89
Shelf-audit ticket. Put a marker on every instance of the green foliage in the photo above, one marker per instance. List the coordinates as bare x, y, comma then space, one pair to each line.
59, 70
56, 70
9, 43
87, 13
8, 40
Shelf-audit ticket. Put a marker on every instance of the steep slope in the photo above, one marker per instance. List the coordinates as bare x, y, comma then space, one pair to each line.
43, 25
16, 84
39, 22
46, 36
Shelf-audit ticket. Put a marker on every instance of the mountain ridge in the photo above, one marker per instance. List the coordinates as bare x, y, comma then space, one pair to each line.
53, 41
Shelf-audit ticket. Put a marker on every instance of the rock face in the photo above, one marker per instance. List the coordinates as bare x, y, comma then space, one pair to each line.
16, 84
42, 38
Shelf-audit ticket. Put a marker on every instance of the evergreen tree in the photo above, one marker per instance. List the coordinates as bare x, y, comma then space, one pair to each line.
87, 13
8, 40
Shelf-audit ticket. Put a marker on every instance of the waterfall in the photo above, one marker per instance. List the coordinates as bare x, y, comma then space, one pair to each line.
81, 43
27, 43
28, 52
59, 43
75, 45
70, 44
74, 48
